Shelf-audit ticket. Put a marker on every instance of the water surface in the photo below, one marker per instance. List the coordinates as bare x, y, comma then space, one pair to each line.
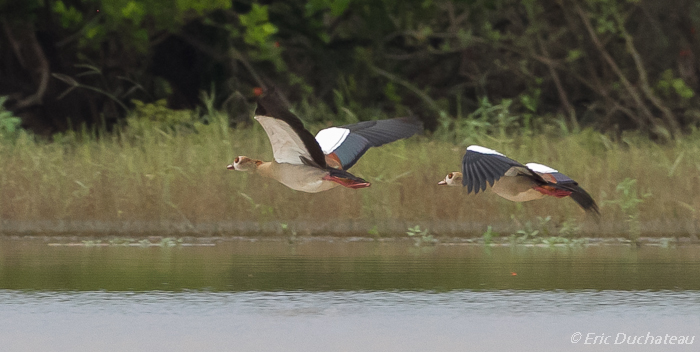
344, 295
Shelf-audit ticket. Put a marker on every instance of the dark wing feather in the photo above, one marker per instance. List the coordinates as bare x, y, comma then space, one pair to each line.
578, 194
380, 132
582, 198
270, 104
468, 174
345, 174
561, 178
367, 134
478, 169
493, 163
482, 177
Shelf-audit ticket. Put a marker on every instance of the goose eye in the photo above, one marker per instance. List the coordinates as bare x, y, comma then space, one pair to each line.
450, 175
236, 160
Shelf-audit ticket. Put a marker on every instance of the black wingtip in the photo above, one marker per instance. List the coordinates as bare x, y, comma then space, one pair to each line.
413, 120
590, 208
465, 177
584, 200
593, 209
269, 102
260, 110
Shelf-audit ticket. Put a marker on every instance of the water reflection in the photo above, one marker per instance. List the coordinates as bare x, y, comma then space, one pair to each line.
322, 295
345, 265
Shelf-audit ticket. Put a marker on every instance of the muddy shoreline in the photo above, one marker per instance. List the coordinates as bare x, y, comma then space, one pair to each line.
337, 228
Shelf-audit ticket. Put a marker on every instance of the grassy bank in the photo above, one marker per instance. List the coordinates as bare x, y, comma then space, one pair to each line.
151, 174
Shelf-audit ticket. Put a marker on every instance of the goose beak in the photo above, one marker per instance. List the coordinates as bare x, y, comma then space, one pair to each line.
441, 183
230, 167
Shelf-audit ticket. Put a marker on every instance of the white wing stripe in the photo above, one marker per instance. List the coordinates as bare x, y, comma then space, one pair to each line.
331, 138
543, 169
482, 150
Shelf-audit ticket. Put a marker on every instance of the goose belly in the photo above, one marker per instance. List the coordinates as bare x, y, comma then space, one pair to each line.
516, 189
303, 178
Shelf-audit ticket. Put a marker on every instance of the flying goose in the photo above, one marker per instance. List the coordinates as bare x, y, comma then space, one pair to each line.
482, 167
304, 163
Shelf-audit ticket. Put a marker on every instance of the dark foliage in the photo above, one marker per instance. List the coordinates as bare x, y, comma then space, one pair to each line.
608, 64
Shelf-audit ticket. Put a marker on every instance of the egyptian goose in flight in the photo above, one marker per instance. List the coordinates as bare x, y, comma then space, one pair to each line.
309, 164
482, 167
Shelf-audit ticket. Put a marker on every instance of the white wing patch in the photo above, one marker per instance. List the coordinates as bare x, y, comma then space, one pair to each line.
331, 138
287, 147
543, 169
482, 150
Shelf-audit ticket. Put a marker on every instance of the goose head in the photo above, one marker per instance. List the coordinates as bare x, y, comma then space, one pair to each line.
244, 163
452, 179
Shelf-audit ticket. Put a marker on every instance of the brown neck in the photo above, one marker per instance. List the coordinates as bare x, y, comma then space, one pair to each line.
265, 168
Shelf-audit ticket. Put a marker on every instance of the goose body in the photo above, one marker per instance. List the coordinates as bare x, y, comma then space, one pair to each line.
314, 164
483, 167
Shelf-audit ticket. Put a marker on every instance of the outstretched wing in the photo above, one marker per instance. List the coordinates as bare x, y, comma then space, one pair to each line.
348, 143
482, 166
291, 142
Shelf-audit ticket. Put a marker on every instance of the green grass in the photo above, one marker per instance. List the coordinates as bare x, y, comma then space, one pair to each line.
150, 173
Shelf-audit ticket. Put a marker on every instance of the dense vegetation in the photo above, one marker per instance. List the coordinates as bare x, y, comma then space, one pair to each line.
146, 101
151, 175
613, 65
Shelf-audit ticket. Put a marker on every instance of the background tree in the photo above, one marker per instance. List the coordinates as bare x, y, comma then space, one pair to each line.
613, 65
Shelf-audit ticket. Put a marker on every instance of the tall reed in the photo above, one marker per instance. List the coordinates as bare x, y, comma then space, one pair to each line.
148, 173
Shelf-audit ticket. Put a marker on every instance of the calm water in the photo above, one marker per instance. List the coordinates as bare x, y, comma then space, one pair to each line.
339, 295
